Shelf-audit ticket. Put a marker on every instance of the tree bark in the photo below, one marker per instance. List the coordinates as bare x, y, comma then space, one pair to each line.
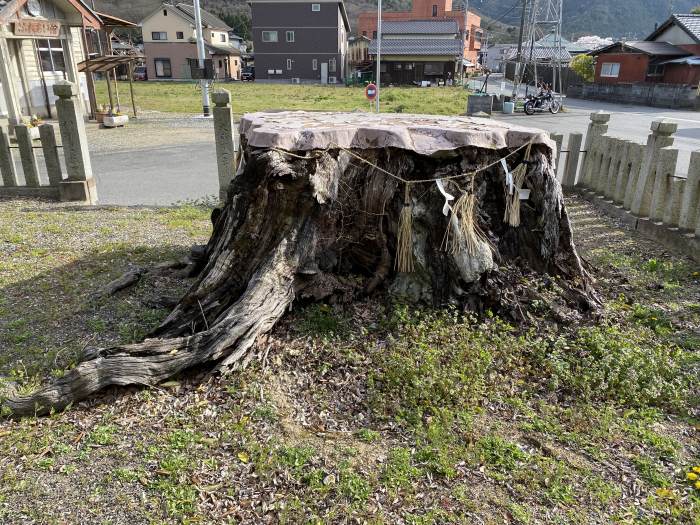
298, 226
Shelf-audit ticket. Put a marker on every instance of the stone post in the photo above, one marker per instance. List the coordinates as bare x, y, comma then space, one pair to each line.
672, 208
609, 177
559, 139
636, 157
597, 127
7, 164
666, 168
691, 195
80, 185
661, 136
602, 166
623, 173
225, 140
26, 154
48, 145
574, 146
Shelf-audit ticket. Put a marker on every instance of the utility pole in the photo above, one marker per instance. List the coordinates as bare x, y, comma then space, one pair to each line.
201, 55
519, 58
465, 36
379, 49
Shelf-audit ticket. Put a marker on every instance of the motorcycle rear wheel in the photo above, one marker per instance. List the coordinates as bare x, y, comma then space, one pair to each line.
529, 108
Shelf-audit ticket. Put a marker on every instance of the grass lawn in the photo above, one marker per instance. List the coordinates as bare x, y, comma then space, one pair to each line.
184, 97
365, 413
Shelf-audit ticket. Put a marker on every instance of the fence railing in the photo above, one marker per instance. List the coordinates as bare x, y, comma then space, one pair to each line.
77, 183
638, 182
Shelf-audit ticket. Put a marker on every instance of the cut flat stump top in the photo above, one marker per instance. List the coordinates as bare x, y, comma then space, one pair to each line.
424, 134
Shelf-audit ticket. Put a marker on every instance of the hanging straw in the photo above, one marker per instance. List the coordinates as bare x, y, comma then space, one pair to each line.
463, 231
512, 211
404, 242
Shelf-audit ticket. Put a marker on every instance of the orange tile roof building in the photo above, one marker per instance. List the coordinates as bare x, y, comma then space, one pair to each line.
429, 10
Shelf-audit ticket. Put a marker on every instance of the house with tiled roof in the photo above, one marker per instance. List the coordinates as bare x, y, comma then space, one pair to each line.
413, 51
170, 45
669, 55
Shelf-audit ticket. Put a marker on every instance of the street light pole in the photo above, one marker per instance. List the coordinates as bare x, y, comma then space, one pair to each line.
201, 55
465, 35
379, 48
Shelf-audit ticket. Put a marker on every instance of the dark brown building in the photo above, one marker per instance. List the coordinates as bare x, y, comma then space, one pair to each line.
296, 41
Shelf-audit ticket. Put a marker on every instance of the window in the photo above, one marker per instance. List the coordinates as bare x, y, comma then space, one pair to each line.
289, 64
364, 33
222, 36
434, 9
162, 66
315, 7
235, 62
655, 70
51, 53
290, 36
165, 12
159, 35
180, 35
374, 35
610, 69
314, 64
331, 65
221, 64
269, 36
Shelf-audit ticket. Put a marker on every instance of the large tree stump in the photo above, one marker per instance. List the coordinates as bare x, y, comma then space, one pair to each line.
313, 212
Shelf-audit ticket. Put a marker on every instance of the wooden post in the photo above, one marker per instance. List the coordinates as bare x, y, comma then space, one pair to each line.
131, 88
88, 75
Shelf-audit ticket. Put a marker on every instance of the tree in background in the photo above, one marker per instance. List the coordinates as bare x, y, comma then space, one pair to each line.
583, 66
696, 10
240, 22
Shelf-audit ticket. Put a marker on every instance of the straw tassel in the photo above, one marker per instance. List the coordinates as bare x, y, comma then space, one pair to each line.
404, 243
464, 224
512, 211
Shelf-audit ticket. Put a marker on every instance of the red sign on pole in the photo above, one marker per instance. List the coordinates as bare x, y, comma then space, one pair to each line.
371, 91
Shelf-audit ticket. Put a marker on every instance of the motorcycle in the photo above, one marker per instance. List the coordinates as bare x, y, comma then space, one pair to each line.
542, 102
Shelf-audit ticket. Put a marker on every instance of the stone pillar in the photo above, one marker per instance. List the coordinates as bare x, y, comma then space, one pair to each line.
48, 145
667, 159
559, 139
661, 137
636, 157
672, 207
623, 173
7, 163
691, 195
597, 127
225, 142
574, 146
609, 177
601, 168
80, 185
26, 154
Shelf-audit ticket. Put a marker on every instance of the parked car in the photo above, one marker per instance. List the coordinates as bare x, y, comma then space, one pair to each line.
140, 73
248, 74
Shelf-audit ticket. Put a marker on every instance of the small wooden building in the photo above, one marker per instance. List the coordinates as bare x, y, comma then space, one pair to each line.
41, 43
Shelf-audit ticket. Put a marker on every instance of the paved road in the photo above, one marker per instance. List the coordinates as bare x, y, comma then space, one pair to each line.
160, 159
627, 121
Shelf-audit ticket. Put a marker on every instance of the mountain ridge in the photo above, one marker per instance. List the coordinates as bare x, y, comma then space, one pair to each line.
631, 19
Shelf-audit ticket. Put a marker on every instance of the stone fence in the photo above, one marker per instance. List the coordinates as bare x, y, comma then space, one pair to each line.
77, 184
647, 94
637, 182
